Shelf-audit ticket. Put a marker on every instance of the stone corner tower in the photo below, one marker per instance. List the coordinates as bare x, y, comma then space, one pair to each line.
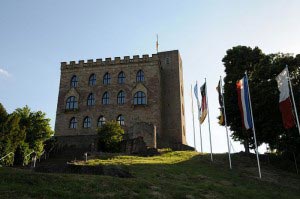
173, 119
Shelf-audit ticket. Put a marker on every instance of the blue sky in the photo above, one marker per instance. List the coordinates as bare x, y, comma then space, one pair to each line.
35, 36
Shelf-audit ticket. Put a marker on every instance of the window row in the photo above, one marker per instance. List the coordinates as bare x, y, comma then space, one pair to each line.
106, 79
87, 122
139, 98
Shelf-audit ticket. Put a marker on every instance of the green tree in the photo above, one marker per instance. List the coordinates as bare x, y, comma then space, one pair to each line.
262, 70
22, 132
236, 61
11, 137
110, 136
3, 115
22, 156
36, 126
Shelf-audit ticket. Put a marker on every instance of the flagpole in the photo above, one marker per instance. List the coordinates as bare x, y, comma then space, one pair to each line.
232, 147
256, 149
211, 156
193, 117
295, 108
229, 154
157, 43
200, 136
198, 104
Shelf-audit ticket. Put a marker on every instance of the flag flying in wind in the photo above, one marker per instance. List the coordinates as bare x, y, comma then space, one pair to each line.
203, 103
285, 105
243, 100
221, 118
198, 102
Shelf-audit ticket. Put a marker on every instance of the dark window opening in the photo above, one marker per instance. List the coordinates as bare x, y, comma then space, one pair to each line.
106, 79
73, 123
140, 76
121, 78
121, 97
87, 122
92, 80
120, 120
91, 100
74, 81
139, 98
105, 98
71, 103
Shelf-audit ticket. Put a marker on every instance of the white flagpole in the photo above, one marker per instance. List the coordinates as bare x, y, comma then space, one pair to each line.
193, 117
295, 108
157, 43
256, 149
211, 156
199, 118
200, 135
232, 147
229, 154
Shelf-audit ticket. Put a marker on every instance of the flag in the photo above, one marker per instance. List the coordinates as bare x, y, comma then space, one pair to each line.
243, 101
203, 103
285, 105
157, 43
221, 117
198, 102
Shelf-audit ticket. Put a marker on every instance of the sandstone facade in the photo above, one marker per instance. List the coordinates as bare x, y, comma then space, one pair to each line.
158, 117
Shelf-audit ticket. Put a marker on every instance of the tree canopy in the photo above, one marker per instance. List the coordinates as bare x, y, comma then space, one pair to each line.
22, 132
110, 135
262, 70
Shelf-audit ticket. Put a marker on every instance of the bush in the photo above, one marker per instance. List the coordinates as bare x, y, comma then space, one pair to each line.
50, 144
22, 156
6, 148
110, 136
22, 132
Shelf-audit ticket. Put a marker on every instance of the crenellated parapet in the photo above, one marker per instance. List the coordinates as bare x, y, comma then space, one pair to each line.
108, 61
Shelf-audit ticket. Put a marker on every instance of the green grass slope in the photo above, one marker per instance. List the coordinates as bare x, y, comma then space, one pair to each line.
182, 174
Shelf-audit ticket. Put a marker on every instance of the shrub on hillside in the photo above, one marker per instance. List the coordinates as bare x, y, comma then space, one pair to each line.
22, 156
22, 132
110, 136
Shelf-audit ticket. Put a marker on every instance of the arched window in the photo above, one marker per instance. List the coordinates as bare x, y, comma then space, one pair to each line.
101, 121
140, 76
121, 78
106, 79
74, 81
121, 97
92, 80
120, 120
87, 122
139, 98
105, 98
73, 123
167, 60
71, 103
91, 100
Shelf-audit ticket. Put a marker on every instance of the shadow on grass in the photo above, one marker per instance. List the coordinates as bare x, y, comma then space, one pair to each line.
171, 175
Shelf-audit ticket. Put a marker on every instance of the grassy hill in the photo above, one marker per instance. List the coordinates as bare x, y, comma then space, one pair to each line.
183, 174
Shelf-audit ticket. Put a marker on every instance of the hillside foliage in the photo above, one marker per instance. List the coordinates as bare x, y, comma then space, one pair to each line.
262, 70
21, 133
110, 136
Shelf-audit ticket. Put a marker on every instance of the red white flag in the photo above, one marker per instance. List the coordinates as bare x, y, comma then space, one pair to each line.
285, 105
203, 103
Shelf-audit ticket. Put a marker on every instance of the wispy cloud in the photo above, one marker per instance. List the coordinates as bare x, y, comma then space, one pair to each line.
4, 73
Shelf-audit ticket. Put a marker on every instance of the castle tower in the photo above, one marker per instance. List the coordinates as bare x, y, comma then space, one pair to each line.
144, 94
173, 120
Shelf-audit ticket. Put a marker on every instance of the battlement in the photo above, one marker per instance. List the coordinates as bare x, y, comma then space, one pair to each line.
109, 61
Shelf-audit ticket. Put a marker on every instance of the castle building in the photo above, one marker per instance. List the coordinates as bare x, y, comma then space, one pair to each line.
143, 94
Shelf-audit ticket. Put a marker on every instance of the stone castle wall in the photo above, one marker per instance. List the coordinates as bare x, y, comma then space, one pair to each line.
162, 85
